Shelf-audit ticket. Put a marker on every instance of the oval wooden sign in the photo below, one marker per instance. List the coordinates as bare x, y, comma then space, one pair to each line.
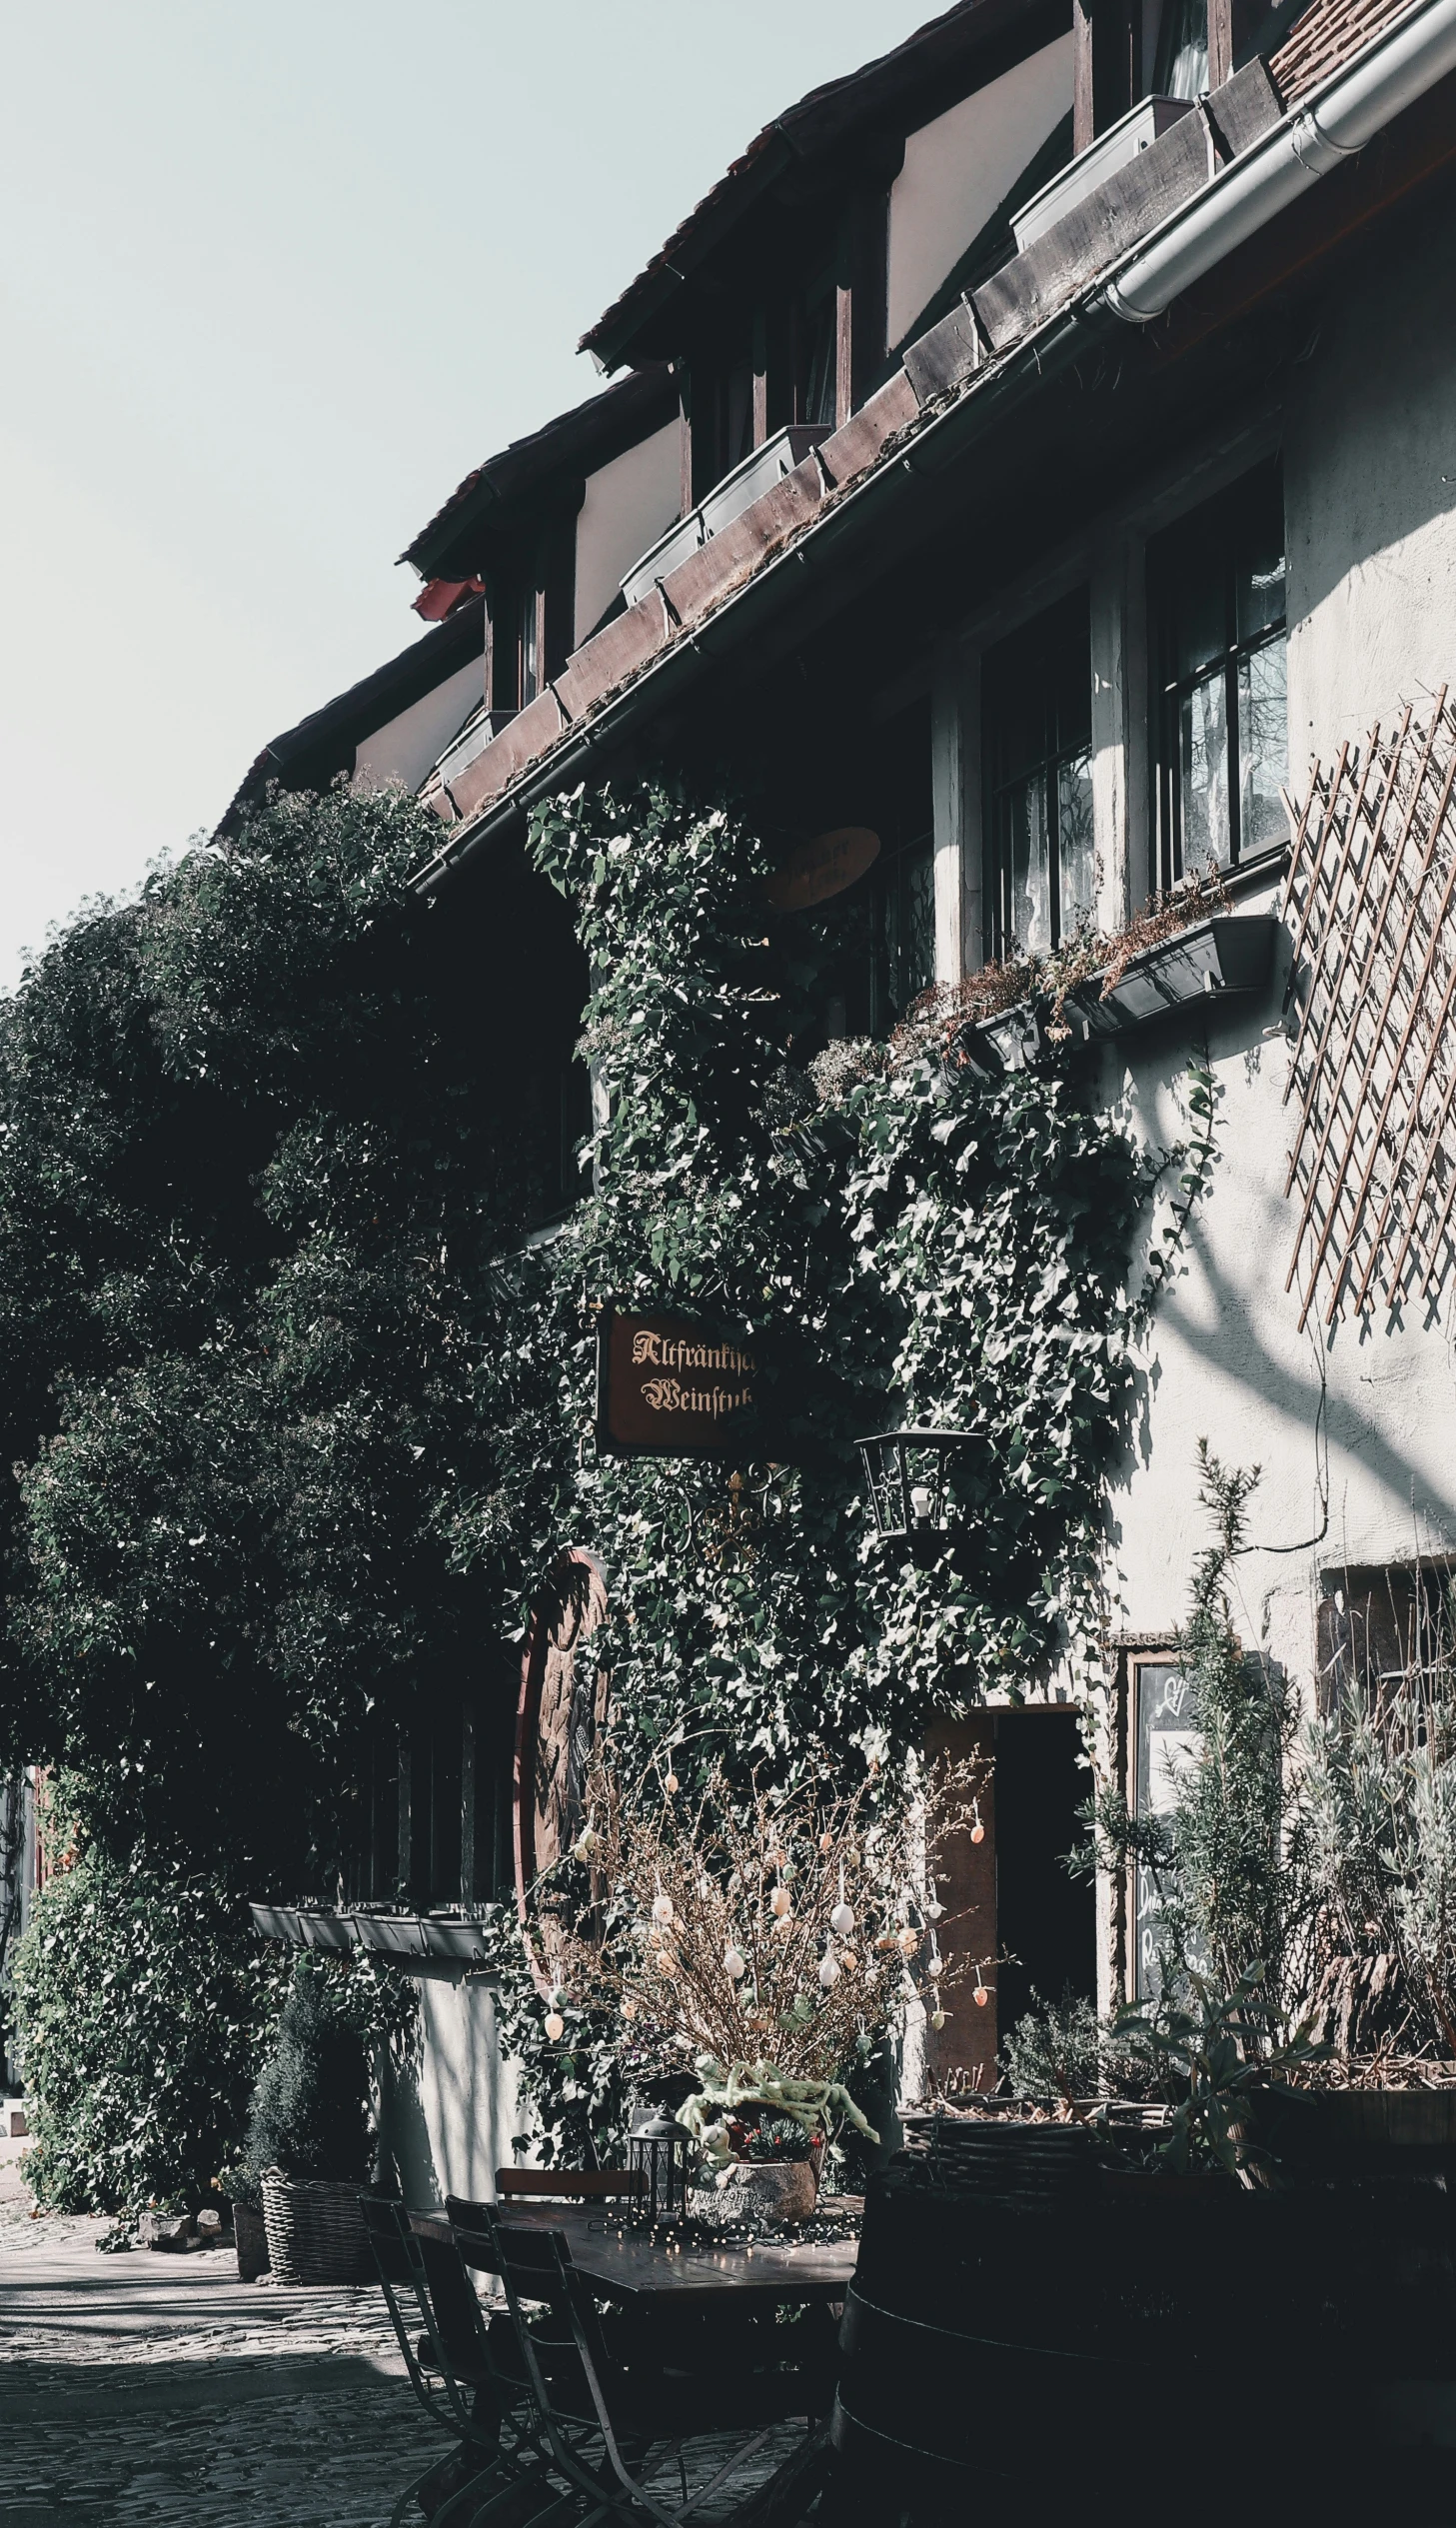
823, 867
563, 1710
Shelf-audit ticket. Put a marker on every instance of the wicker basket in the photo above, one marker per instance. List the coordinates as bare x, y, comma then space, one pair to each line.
251, 2241
315, 2229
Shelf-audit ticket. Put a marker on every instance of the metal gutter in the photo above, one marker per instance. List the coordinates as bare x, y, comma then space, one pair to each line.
1331, 126
1041, 355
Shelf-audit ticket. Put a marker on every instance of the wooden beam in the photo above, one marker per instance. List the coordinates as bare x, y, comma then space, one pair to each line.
1083, 121
1220, 42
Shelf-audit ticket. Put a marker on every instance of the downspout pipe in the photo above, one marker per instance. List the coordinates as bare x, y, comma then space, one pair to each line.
1330, 127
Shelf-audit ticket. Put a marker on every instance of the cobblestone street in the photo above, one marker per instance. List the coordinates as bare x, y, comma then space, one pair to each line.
141, 2388
148, 2391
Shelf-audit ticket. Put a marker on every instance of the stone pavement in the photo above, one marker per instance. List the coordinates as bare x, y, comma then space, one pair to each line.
147, 2391
144, 2391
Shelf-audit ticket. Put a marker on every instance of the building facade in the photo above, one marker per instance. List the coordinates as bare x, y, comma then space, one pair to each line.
1035, 452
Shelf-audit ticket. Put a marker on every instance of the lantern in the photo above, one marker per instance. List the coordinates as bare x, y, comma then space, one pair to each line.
905, 1473
659, 2154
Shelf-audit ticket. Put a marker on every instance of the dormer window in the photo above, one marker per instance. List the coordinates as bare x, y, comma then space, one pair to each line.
1181, 68
530, 640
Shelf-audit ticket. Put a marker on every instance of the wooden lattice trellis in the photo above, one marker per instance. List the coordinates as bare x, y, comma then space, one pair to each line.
1370, 899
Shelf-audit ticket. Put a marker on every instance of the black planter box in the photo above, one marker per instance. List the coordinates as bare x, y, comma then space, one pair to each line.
1230, 953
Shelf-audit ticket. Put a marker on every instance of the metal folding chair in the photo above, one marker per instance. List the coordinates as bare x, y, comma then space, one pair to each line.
452, 2367
609, 2427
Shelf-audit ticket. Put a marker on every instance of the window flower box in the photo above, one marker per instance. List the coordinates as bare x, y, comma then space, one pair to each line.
326, 1930
277, 1923
1230, 952
391, 1934
461, 1942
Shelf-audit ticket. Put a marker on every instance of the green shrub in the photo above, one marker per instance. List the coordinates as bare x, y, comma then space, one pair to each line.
311, 2106
141, 2004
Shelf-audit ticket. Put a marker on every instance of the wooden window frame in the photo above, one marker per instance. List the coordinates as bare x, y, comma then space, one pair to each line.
1170, 690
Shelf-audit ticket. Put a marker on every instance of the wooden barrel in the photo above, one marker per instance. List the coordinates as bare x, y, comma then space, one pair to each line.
1025, 2341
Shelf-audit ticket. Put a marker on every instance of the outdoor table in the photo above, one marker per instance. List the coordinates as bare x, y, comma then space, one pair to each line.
639, 2270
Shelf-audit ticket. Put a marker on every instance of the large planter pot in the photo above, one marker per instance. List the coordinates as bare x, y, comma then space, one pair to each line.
1358, 2133
315, 2229
250, 2237
991, 2329
766, 2190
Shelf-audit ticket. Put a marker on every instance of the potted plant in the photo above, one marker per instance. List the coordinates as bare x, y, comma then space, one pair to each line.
772, 1936
309, 2146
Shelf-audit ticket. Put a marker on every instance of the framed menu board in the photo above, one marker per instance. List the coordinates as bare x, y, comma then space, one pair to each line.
1165, 1746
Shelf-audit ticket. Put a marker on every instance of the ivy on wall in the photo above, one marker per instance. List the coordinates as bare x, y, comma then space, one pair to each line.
310, 1424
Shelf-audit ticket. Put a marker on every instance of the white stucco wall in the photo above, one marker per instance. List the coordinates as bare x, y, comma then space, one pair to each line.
960, 167
406, 747
1371, 528
628, 504
1360, 1414
449, 2120
1370, 496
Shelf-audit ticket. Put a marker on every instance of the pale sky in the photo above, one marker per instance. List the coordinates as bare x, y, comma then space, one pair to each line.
275, 275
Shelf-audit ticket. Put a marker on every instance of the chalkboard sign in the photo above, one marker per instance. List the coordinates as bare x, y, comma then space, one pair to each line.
1165, 1748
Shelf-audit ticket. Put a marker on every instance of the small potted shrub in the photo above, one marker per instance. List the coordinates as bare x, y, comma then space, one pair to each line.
308, 2147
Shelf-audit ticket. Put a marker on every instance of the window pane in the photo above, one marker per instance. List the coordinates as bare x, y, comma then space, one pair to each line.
1183, 55
1203, 770
1260, 586
1263, 747
1076, 845
529, 663
1200, 614
1027, 865
909, 918
819, 404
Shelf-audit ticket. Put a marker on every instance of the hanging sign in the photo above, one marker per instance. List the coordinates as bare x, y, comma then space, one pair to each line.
823, 867
670, 1385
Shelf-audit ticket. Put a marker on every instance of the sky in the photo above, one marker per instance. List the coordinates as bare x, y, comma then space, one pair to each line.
275, 275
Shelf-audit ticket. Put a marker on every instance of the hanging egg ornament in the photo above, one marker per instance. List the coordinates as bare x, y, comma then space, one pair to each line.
829, 1971
842, 1920
735, 1964
980, 1996
935, 1965
661, 1907
556, 2026
937, 2020
848, 1962
908, 1941
781, 1902
935, 1910
977, 1831
826, 1844
670, 1785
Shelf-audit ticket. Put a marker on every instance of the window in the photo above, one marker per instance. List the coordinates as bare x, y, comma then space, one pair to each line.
529, 644
1164, 1750
1037, 744
905, 930
1218, 595
1181, 68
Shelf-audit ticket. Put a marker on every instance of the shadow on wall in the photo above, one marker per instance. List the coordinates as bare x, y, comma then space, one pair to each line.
447, 2112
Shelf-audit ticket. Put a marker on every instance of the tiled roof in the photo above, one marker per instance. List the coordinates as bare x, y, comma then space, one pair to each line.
617, 413
1022, 305
1326, 38
918, 77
